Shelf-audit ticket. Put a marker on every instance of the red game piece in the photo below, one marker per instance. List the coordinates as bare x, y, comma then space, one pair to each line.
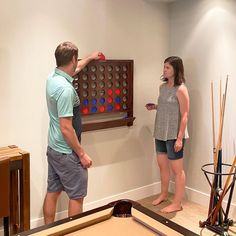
102, 109
109, 100
117, 107
109, 91
117, 91
85, 110
101, 56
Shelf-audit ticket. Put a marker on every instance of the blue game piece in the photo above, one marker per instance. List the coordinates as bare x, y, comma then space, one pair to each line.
94, 109
117, 99
102, 100
94, 101
109, 107
85, 102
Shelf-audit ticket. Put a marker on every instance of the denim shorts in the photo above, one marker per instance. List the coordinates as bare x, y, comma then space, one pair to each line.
168, 148
65, 173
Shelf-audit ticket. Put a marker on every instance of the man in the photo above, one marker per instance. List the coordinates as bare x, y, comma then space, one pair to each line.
67, 160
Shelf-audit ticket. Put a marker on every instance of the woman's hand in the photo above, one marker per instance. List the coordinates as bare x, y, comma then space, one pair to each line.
151, 106
178, 145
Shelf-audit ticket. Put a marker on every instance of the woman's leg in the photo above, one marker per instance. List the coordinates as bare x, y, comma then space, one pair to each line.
177, 168
163, 164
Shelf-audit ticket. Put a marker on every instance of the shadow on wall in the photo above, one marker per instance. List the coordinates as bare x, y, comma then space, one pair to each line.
5, 96
147, 140
192, 79
117, 144
193, 122
5, 74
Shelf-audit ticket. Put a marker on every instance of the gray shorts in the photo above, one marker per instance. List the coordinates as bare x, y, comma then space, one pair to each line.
65, 173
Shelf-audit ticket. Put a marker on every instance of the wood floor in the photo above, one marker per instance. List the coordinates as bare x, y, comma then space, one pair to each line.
189, 217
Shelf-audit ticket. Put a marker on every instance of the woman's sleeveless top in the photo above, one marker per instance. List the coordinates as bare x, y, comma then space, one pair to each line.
168, 115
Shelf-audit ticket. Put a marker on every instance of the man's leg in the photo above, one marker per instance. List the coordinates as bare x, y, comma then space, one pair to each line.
49, 206
75, 206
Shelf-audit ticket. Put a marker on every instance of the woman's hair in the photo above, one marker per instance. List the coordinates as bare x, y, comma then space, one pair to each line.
177, 64
65, 52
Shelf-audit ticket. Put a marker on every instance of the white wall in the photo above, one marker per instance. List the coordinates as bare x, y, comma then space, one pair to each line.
128, 29
203, 33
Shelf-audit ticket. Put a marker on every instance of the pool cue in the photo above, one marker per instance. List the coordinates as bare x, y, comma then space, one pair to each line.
219, 183
219, 163
220, 150
230, 197
219, 140
214, 145
218, 206
231, 193
220, 96
213, 117
213, 199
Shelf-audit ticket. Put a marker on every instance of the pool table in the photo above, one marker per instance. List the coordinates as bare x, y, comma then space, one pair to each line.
122, 217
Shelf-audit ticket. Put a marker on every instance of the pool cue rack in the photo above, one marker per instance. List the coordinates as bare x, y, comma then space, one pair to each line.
217, 220
105, 89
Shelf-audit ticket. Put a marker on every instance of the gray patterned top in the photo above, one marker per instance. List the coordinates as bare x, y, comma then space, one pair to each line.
168, 115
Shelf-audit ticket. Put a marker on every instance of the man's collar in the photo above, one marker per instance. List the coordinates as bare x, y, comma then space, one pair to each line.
64, 74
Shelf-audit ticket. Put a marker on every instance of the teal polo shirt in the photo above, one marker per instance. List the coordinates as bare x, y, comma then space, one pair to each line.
61, 99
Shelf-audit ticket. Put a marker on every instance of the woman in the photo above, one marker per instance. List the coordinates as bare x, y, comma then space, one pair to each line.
171, 130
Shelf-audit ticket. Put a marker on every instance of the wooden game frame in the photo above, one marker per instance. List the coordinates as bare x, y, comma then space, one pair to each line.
110, 80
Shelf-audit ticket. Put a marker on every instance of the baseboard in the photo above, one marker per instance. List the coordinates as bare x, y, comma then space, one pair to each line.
136, 194
202, 198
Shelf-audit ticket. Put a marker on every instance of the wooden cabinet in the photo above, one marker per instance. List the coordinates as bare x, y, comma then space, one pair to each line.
15, 189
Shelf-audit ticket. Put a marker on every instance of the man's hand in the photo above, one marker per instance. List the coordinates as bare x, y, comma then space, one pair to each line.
85, 160
83, 62
95, 55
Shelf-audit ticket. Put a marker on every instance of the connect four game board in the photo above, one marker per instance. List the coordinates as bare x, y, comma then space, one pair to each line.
105, 89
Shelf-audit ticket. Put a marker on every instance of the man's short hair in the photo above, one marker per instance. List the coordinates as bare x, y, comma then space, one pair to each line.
65, 52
